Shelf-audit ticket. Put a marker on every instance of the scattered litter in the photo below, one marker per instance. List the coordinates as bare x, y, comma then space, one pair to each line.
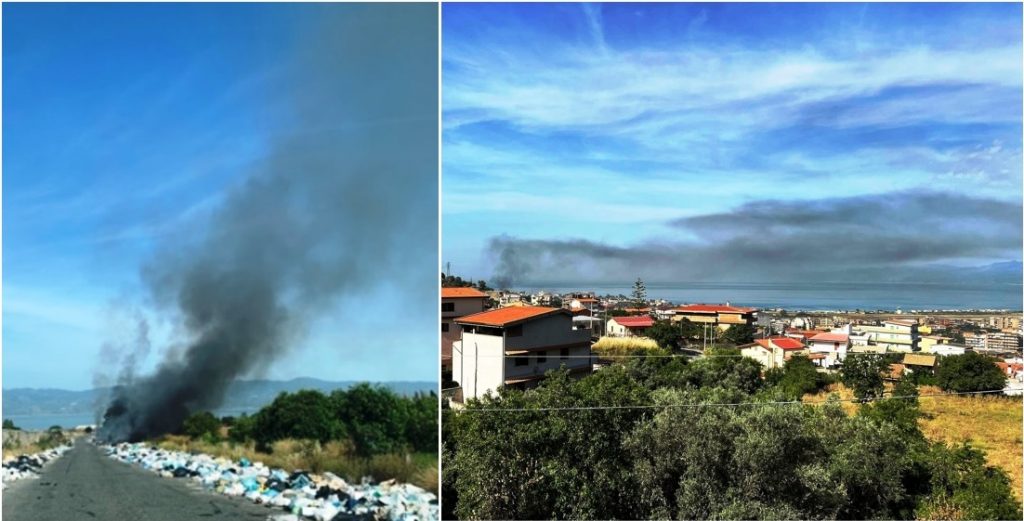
29, 465
300, 495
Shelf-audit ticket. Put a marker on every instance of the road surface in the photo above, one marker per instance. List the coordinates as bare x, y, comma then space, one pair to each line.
86, 484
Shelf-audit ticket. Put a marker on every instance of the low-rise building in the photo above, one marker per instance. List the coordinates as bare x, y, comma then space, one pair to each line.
948, 349
832, 345
515, 346
896, 336
928, 342
722, 316
629, 326
916, 362
774, 351
455, 303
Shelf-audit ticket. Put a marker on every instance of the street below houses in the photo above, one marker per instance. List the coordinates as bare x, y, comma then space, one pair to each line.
85, 484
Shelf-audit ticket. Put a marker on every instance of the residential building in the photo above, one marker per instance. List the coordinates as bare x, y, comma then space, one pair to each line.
916, 362
629, 326
515, 346
590, 303
832, 345
803, 334
928, 342
722, 316
974, 340
895, 336
455, 303
1003, 341
774, 351
948, 349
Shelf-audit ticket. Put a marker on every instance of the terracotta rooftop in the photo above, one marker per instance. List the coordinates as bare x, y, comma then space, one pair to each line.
783, 342
462, 293
507, 316
713, 308
634, 321
830, 337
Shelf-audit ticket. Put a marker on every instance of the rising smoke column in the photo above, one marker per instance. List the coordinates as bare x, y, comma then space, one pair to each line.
345, 204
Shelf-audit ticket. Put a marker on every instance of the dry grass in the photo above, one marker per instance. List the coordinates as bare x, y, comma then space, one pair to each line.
841, 390
617, 346
16, 443
991, 423
419, 469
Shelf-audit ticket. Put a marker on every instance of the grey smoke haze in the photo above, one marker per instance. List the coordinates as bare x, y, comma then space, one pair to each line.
345, 205
897, 236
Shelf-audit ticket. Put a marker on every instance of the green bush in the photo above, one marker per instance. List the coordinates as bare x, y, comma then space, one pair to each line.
969, 372
797, 377
863, 375
304, 415
373, 418
201, 425
556, 457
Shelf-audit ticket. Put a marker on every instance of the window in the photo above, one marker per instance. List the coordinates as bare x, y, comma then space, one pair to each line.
447, 307
542, 356
521, 360
564, 353
444, 327
515, 330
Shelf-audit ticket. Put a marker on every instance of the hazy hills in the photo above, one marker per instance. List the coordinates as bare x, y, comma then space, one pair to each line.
242, 395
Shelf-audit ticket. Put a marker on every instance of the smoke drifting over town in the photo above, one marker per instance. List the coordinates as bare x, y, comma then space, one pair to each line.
334, 210
893, 237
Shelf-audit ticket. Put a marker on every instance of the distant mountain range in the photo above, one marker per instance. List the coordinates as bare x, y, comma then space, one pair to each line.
243, 395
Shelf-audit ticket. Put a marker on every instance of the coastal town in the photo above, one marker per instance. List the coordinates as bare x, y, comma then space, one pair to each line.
494, 338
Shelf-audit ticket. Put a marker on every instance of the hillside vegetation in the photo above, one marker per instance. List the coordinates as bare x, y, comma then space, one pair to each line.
992, 423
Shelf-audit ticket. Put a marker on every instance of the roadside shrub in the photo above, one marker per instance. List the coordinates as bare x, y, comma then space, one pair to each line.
302, 415
201, 424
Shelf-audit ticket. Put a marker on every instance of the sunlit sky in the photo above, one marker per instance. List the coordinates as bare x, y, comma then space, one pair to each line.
124, 123
592, 135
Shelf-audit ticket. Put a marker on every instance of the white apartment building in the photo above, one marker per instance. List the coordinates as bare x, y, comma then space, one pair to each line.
893, 336
515, 346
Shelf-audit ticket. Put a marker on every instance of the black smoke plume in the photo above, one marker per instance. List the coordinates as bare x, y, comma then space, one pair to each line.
346, 204
906, 236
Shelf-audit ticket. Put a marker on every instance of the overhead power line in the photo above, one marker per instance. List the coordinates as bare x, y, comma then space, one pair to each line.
697, 405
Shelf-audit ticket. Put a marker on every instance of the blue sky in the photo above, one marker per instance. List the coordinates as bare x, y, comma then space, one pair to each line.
588, 142
125, 126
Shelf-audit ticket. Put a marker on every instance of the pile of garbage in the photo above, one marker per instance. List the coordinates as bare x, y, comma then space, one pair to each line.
29, 465
323, 497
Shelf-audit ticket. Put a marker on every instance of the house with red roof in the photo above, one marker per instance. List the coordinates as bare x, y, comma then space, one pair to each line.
515, 346
629, 326
833, 347
773, 352
455, 303
723, 316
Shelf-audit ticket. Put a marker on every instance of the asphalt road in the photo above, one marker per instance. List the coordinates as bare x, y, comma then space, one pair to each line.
85, 484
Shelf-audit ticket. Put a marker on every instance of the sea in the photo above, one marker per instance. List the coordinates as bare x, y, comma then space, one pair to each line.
835, 296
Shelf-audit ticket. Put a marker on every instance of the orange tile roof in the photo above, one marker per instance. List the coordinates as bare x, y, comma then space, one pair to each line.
713, 308
507, 316
804, 333
830, 337
634, 321
782, 342
462, 293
